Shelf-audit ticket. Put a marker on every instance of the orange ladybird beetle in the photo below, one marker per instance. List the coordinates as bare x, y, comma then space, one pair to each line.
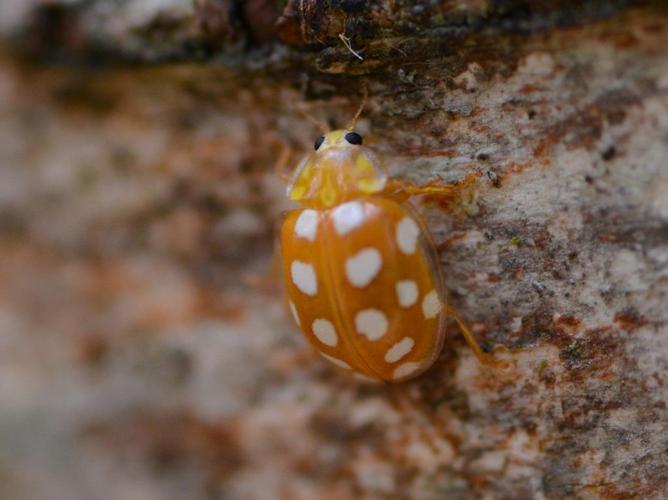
359, 264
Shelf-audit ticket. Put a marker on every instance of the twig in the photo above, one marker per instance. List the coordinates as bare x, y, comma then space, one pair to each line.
346, 42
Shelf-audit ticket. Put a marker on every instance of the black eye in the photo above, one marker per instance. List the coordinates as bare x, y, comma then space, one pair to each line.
354, 138
318, 142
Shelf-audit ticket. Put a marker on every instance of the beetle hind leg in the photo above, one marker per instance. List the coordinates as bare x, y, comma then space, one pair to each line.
483, 357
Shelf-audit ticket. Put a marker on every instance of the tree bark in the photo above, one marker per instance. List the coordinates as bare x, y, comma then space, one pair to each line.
144, 351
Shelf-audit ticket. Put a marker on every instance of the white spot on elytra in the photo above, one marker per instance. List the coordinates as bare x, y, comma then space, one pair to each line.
431, 305
336, 361
307, 224
348, 216
363, 267
406, 369
399, 350
407, 235
293, 310
407, 292
372, 323
325, 332
303, 276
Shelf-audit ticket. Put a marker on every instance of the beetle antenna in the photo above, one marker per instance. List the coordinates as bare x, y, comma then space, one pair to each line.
323, 126
353, 122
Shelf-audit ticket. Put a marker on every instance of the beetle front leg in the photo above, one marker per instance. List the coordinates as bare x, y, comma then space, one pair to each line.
401, 190
281, 166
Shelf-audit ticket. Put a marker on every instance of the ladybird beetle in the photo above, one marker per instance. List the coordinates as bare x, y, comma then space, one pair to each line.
359, 265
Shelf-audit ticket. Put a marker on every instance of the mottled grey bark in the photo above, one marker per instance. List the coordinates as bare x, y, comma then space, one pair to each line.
143, 352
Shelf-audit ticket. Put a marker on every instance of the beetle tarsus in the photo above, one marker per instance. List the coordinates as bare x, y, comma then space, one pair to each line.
483, 357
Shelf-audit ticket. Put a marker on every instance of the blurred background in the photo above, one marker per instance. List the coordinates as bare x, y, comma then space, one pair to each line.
144, 348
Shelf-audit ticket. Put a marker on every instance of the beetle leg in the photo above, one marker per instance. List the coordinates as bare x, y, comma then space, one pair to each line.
449, 241
285, 359
434, 190
269, 283
281, 167
483, 357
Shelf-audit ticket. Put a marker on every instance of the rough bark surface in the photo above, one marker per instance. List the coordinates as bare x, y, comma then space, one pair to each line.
143, 354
